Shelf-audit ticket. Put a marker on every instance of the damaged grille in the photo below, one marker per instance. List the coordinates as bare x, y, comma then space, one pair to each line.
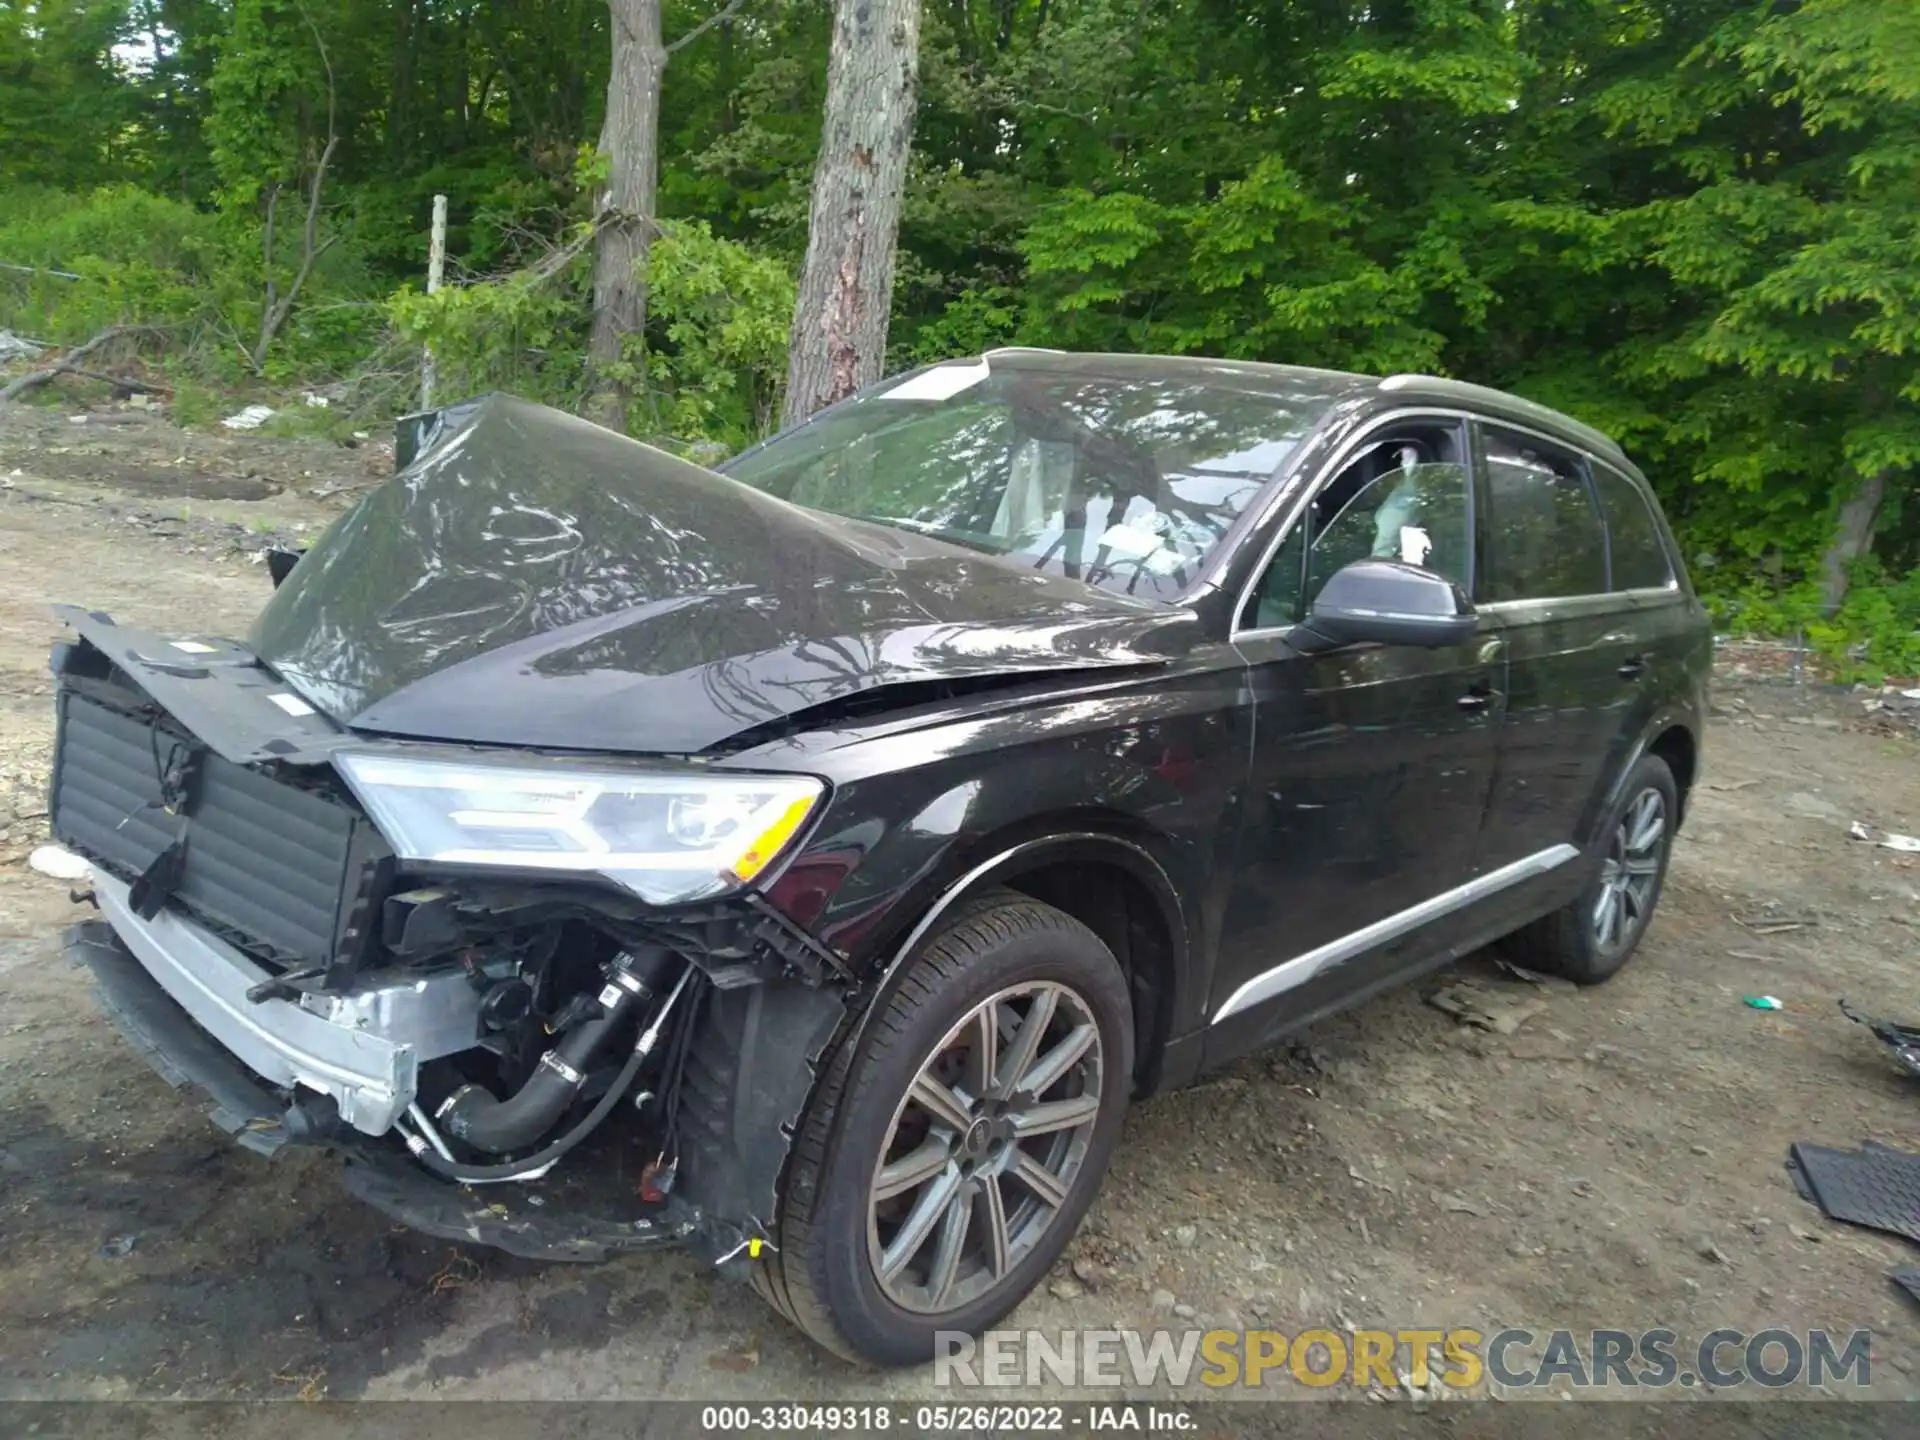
273, 867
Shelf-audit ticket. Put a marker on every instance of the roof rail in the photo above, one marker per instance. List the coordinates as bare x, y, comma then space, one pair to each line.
1465, 390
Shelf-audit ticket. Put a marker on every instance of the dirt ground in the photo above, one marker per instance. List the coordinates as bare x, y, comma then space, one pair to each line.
1615, 1161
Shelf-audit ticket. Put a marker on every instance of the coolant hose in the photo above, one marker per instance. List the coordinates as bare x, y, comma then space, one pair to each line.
537, 1164
476, 1116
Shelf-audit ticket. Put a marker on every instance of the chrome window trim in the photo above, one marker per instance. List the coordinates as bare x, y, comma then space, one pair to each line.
1579, 604
1290, 974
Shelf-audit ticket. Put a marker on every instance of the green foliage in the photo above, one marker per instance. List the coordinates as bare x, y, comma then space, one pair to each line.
714, 353
141, 258
144, 259
716, 348
64, 112
524, 332
1874, 634
1694, 224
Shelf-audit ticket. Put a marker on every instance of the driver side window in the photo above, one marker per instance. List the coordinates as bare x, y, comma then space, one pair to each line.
1403, 497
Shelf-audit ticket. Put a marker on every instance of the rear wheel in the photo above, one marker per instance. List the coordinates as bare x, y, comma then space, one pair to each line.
940, 1171
1589, 940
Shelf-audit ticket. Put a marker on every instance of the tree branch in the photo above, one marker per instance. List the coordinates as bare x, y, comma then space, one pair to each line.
275, 312
719, 17
71, 363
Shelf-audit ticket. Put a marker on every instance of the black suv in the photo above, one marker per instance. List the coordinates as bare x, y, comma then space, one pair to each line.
808, 863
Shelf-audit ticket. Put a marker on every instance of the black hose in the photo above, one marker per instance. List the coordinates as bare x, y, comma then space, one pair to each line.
513, 1170
482, 1174
478, 1117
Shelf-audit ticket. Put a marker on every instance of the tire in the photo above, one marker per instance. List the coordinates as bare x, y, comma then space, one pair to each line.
1569, 942
834, 1238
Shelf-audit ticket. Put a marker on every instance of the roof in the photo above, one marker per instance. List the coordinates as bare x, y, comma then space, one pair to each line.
1329, 385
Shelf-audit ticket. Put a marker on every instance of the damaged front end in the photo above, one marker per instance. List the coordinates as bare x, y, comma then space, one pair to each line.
539, 1061
457, 865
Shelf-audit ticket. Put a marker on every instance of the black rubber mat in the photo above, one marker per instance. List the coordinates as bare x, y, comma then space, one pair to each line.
1875, 1186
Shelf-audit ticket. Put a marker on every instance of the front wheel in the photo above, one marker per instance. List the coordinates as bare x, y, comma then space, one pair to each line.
1589, 940
940, 1172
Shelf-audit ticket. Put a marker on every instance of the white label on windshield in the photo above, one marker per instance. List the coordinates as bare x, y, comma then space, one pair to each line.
1415, 544
192, 647
1148, 548
292, 704
942, 382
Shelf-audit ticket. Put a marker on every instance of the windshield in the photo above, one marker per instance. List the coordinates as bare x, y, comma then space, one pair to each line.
1125, 481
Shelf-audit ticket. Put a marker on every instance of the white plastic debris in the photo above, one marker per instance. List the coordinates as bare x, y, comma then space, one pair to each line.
1857, 831
17, 347
1905, 844
59, 862
1913, 694
318, 402
250, 418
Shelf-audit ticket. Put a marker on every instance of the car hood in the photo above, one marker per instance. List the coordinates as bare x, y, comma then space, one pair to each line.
533, 579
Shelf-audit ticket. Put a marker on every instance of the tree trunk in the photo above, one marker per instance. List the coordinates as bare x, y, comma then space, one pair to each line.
839, 338
630, 139
1852, 538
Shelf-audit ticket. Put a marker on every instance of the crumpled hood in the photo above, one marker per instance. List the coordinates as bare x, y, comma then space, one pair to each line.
537, 580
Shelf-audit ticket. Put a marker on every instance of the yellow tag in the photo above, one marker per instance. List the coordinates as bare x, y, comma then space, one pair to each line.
753, 1248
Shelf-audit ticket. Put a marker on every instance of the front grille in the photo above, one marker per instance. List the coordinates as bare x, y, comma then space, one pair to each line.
273, 866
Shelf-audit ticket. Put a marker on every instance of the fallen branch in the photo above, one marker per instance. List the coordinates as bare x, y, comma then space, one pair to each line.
71, 363
123, 382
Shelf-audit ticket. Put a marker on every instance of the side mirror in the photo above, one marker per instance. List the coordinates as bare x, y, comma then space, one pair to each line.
280, 564
1383, 602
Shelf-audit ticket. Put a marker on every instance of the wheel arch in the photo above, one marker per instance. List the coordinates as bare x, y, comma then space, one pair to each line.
1102, 872
1676, 745
1672, 734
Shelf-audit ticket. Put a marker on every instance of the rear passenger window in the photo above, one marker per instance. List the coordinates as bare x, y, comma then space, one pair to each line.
1639, 558
1543, 536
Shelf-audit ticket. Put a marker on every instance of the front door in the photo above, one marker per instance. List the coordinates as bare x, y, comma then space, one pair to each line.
1371, 765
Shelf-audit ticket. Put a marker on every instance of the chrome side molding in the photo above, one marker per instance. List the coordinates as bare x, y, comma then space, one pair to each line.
1303, 968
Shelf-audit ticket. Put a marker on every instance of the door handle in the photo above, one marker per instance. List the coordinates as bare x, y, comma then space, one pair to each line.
1634, 668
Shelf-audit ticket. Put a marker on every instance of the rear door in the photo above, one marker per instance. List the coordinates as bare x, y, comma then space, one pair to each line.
1576, 665
1370, 764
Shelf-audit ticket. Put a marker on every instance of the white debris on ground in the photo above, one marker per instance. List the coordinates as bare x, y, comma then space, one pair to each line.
17, 347
58, 862
250, 418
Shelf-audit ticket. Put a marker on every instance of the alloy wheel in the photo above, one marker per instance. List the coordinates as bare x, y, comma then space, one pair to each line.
1630, 872
984, 1149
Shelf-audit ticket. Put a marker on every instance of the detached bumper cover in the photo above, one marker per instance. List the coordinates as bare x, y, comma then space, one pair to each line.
185, 1056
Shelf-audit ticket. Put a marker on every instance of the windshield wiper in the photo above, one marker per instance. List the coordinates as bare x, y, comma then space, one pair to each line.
921, 527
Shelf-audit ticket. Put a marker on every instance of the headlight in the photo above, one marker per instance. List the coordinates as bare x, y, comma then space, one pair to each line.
666, 837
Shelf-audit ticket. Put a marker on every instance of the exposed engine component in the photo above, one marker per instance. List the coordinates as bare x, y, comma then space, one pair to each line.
474, 1115
431, 1151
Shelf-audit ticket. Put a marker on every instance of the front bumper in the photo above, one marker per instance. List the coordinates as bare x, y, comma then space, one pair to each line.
186, 1055
363, 1048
